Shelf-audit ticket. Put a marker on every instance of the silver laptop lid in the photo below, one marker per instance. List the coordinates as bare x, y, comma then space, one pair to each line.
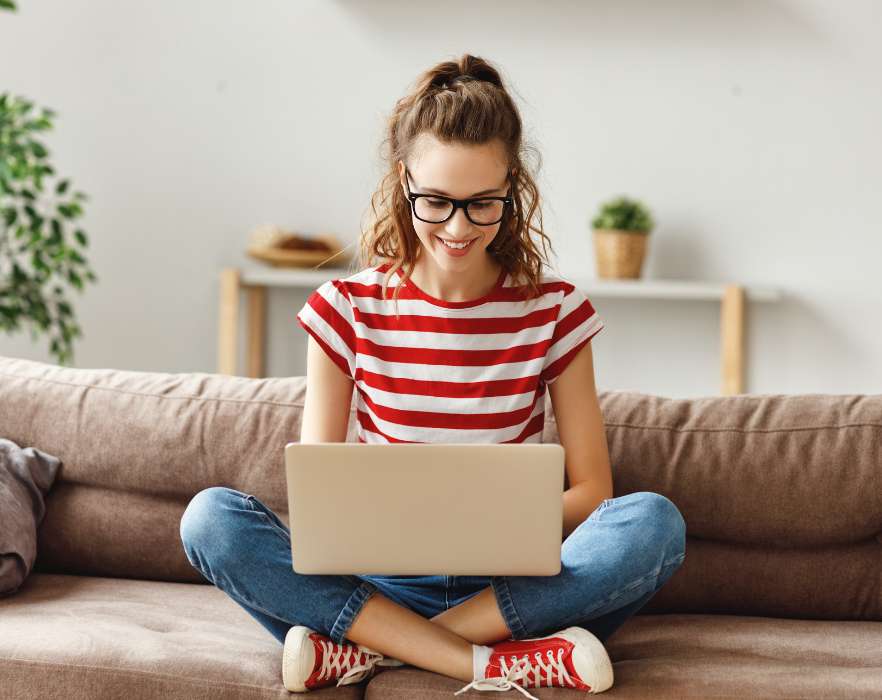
426, 508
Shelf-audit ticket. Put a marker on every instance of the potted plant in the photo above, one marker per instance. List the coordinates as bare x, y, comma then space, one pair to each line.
37, 250
621, 229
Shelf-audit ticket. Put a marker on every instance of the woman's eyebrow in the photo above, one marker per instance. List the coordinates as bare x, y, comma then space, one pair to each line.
476, 194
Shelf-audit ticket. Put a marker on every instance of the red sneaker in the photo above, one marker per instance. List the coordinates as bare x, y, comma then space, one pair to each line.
573, 658
312, 660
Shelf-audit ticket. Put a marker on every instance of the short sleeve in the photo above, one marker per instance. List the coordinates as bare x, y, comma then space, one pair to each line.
577, 322
328, 317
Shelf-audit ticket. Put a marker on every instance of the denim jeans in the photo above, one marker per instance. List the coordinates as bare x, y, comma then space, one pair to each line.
611, 565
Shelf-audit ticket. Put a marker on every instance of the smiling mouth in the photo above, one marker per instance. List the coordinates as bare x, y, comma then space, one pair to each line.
457, 247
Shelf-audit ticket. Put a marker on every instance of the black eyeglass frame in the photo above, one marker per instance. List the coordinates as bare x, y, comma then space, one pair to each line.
457, 203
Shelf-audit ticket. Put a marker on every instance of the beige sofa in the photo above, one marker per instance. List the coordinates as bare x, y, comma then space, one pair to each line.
780, 595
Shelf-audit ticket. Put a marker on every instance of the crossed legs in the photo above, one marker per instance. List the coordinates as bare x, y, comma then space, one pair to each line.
442, 644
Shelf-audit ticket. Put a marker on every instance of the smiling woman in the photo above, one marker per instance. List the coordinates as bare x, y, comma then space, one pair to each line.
474, 336
458, 173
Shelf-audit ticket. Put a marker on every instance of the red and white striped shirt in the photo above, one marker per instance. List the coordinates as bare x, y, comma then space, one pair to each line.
449, 371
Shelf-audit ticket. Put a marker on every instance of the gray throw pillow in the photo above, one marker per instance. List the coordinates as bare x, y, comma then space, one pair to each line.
26, 475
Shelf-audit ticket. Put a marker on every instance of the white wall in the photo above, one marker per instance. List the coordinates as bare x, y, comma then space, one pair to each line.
751, 129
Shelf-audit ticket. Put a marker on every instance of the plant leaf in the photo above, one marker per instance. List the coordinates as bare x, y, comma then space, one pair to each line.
38, 149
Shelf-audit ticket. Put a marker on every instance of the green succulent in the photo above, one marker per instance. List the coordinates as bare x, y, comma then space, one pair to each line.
624, 214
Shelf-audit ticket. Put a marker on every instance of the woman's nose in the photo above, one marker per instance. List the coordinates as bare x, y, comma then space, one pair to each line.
458, 225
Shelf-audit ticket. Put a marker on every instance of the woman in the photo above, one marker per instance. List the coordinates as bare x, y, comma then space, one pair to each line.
484, 330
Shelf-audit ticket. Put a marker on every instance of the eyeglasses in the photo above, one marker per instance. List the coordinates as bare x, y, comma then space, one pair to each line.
436, 208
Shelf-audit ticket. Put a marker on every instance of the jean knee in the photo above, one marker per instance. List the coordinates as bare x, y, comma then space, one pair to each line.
667, 521
199, 522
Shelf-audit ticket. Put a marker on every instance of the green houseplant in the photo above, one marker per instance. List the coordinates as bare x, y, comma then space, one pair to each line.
621, 228
39, 232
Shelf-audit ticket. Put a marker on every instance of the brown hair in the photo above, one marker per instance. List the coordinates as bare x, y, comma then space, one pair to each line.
461, 101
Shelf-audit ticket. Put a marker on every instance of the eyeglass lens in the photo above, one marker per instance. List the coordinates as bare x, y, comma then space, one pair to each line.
433, 210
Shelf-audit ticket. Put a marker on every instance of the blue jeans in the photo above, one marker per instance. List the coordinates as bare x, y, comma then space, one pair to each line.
611, 565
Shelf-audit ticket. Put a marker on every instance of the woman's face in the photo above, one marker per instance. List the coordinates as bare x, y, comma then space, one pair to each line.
460, 171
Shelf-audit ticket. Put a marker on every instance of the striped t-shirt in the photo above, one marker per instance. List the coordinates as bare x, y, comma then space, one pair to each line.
449, 371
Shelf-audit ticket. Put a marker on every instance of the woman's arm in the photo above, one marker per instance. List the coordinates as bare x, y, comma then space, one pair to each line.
328, 398
583, 436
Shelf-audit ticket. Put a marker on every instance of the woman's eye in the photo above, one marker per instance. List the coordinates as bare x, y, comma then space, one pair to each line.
437, 203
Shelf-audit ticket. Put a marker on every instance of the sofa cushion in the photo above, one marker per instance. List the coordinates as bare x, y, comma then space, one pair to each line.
763, 481
26, 475
781, 494
86, 637
136, 447
723, 657
79, 638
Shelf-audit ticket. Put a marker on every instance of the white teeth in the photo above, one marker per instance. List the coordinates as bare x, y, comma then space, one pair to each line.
453, 245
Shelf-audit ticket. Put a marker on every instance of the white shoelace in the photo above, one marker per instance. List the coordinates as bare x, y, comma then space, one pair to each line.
337, 658
521, 670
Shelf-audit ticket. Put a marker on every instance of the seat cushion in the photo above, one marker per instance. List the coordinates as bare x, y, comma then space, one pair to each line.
725, 657
79, 637
84, 637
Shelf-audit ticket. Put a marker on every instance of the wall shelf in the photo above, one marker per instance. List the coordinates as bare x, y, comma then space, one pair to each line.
254, 281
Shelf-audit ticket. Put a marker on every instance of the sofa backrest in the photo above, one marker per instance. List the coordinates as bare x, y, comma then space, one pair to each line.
781, 494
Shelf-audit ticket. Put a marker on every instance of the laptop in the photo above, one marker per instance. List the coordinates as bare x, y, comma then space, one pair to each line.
425, 509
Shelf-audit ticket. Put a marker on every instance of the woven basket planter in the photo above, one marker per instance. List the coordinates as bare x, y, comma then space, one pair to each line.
619, 254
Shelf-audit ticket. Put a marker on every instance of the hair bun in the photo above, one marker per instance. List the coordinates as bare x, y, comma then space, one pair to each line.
468, 68
475, 68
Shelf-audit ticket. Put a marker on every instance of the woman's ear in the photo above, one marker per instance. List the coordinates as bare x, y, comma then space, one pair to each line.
401, 176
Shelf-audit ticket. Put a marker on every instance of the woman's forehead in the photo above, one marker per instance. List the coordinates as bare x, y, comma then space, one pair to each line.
459, 169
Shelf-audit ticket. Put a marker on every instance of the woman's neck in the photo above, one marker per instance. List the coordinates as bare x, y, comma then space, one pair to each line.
456, 286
